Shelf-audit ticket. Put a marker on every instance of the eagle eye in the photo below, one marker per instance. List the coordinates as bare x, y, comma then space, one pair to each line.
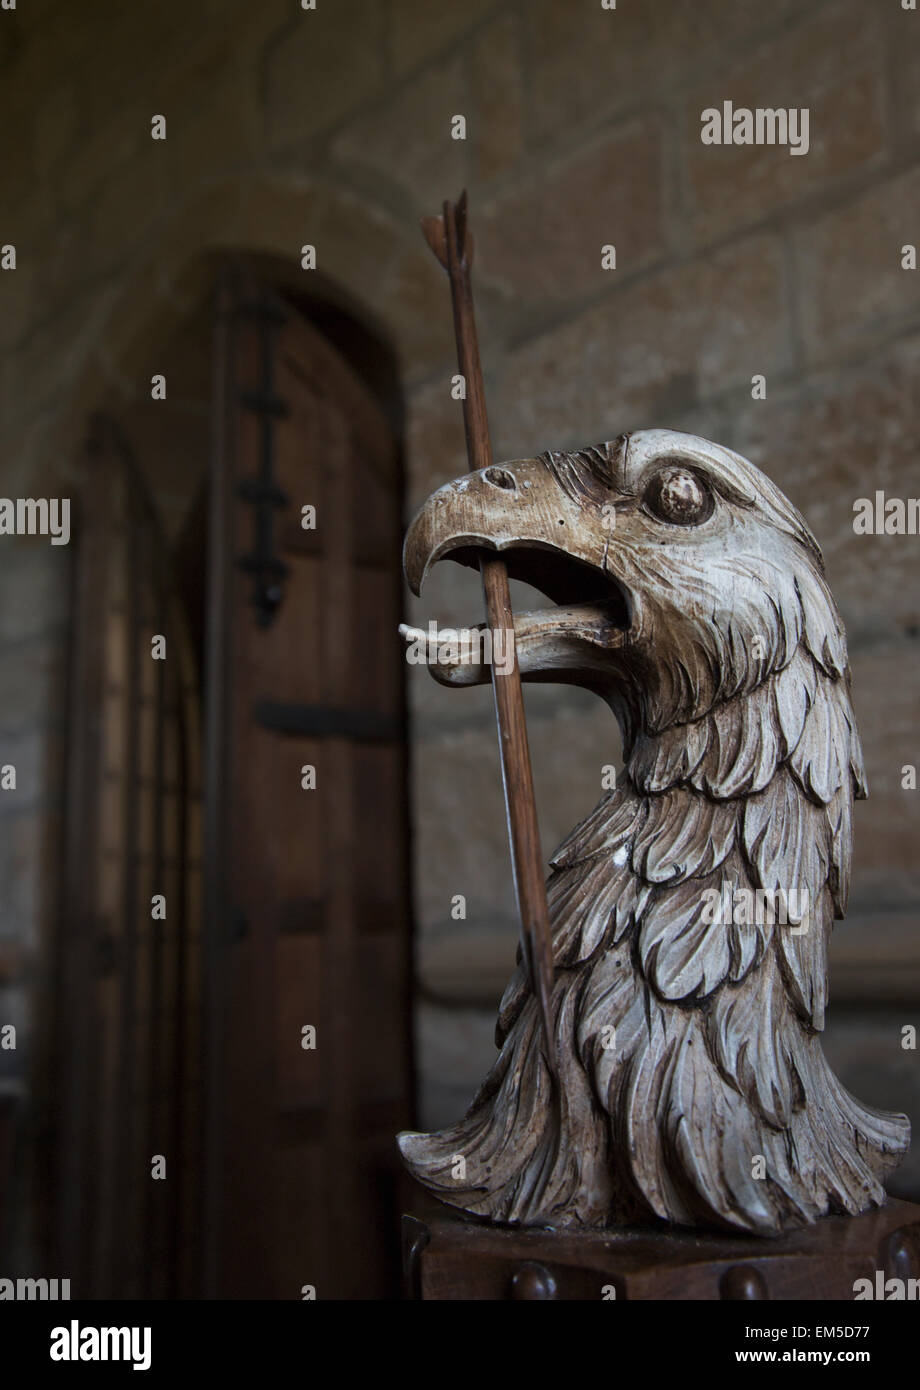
678, 495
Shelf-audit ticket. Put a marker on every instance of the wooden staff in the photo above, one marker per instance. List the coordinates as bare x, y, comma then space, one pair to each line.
452, 243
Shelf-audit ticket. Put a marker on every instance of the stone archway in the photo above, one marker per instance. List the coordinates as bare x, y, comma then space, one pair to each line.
369, 262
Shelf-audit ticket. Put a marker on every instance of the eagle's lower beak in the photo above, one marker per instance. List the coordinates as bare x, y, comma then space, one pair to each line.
549, 539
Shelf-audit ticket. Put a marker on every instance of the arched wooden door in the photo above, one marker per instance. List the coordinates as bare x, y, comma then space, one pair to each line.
306, 873
257, 1038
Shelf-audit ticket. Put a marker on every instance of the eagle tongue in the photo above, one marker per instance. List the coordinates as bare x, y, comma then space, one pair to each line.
541, 637
597, 621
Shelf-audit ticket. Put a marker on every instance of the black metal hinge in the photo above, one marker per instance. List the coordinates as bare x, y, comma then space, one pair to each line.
324, 721
263, 563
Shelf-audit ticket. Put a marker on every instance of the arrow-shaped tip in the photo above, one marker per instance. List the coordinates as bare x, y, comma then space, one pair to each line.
436, 235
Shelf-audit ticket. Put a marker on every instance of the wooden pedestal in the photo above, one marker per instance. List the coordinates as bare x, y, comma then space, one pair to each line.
449, 1257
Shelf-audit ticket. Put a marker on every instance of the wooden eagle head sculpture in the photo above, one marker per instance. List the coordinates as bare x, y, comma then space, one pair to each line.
691, 910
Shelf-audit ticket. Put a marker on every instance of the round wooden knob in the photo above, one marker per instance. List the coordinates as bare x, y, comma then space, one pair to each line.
900, 1252
532, 1281
743, 1282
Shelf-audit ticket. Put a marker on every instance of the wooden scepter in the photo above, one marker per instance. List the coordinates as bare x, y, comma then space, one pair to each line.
451, 241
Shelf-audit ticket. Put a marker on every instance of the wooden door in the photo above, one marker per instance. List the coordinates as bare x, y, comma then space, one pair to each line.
126, 1170
306, 888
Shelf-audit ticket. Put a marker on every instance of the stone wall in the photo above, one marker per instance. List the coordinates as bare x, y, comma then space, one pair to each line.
332, 127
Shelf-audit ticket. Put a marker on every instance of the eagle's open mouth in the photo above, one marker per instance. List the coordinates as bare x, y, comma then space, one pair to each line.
586, 601
588, 607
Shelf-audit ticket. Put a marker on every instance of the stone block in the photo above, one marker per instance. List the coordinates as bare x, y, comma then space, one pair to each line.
455, 1048
886, 700
833, 65
17, 298
459, 811
542, 243
407, 140
322, 65
588, 63
649, 353
357, 245
467, 965
846, 434
414, 304
459, 820
108, 146
127, 209
906, 61
419, 30
849, 274
497, 84
435, 441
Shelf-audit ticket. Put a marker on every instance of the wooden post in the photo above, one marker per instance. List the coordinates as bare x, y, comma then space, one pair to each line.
450, 240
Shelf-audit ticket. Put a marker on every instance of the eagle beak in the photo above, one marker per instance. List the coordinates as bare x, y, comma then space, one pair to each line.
551, 539
504, 507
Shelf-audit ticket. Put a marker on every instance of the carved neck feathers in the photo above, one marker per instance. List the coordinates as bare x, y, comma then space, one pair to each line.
800, 715
781, 702
757, 793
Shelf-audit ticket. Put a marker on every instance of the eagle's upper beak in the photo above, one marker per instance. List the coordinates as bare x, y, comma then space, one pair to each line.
551, 538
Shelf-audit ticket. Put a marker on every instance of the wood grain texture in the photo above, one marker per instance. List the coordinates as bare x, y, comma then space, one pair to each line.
311, 933
691, 910
447, 1257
